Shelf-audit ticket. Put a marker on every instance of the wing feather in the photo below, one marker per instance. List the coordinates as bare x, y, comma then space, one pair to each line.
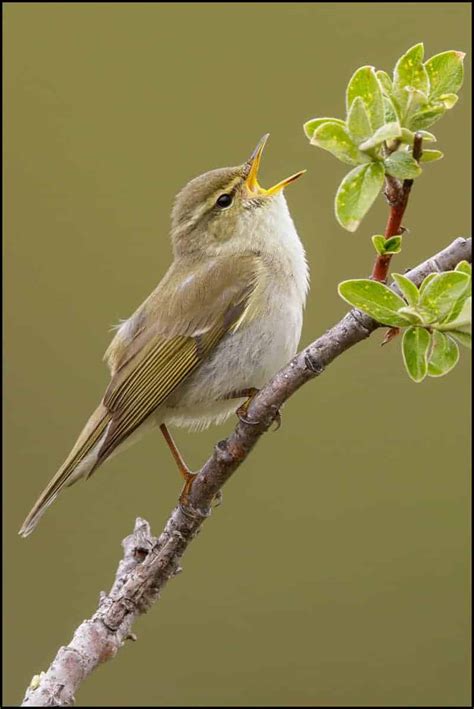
153, 352
167, 349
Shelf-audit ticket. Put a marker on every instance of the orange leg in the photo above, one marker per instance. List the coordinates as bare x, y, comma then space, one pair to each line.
184, 471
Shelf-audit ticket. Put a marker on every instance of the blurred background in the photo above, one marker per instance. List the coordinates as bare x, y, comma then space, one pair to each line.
337, 570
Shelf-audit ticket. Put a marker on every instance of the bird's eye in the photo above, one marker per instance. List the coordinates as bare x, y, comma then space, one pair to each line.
225, 200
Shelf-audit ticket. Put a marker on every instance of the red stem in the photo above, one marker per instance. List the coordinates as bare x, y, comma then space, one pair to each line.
393, 228
397, 196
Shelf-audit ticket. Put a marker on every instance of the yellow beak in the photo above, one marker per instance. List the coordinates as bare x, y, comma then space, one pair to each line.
251, 181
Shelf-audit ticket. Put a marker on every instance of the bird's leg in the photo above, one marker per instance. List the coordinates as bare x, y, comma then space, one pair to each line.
242, 410
249, 393
184, 471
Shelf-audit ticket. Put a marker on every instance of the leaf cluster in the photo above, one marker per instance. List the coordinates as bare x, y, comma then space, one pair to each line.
383, 113
435, 316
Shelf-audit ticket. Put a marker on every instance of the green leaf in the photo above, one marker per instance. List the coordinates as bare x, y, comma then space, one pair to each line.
358, 122
464, 267
431, 155
426, 280
357, 193
375, 299
408, 136
364, 83
310, 126
410, 73
389, 131
427, 137
445, 72
426, 117
393, 245
442, 292
407, 288
415, 345
449, 100
460, 315
335, 139
390, 113
416, 99
444, 355
464, 338
385, 82
402, 165
412, 315
379, 243
383, 246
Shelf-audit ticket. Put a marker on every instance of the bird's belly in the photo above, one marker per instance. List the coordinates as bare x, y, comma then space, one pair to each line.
247, 358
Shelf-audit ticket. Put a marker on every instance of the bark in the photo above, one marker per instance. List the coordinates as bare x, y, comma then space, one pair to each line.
149, 562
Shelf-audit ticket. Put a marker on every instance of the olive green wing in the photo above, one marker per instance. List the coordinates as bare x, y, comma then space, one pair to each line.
181, 323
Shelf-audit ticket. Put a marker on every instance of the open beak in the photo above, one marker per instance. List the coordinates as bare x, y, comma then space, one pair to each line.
251, 181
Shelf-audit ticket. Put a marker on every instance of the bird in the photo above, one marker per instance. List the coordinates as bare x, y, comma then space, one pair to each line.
226, 316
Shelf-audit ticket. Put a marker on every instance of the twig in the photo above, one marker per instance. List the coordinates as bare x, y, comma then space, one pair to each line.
148, 563
397, 194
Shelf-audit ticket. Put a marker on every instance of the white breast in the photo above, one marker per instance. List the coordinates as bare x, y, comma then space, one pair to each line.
254, 353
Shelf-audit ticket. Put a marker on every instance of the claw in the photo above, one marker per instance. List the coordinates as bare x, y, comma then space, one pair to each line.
242, 410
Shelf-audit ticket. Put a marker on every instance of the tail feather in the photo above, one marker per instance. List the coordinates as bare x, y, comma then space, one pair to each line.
79, 463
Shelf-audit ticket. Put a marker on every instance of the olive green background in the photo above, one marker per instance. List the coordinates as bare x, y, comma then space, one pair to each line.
336, 571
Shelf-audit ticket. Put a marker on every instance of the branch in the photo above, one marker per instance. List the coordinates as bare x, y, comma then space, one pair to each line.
397, 194
148, 563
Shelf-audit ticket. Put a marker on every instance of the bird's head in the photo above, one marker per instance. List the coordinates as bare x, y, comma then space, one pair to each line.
226, 205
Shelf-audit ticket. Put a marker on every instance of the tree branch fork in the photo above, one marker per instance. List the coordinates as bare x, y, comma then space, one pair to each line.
149, 562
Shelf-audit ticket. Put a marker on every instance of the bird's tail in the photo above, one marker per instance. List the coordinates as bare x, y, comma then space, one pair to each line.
80, 463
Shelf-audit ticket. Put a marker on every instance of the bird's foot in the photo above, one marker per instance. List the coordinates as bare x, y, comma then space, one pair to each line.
183, 469
185, 492
189, 478
243, 409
